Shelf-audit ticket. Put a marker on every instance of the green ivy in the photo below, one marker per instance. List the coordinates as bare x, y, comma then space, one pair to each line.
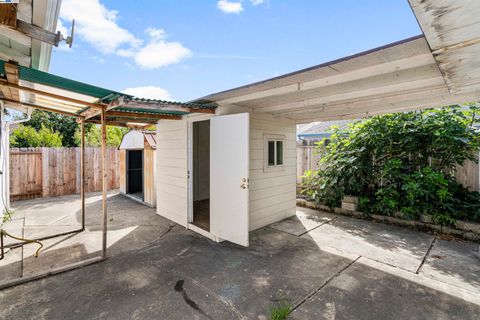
402, 162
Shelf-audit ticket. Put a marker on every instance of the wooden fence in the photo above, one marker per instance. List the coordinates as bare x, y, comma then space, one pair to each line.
307, 159
48, 172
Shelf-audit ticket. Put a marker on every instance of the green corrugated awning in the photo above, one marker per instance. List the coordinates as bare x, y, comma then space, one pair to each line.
48, 79
40, 89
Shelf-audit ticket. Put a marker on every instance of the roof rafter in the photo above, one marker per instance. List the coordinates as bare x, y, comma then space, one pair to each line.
92, 112
3, 83
36, 106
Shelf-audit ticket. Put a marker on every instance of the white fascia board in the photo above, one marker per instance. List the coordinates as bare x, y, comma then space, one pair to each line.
45, 15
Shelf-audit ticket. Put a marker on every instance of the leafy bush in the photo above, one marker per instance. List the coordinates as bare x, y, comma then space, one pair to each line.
26, 136
402, 162
57, 123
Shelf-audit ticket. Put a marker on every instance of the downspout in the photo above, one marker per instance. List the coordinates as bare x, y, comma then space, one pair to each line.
5, 149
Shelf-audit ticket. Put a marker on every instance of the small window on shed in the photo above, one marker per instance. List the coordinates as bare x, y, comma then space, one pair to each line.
274, 151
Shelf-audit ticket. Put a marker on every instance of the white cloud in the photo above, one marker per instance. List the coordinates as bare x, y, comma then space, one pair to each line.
229, 7
158, 52
98, 59
149, 92
61, 27
257, 2
98, 26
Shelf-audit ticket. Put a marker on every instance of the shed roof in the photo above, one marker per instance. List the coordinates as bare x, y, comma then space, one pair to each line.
151, 138
136, 139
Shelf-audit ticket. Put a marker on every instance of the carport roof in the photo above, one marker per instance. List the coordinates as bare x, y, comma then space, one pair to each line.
27, 87
441, 67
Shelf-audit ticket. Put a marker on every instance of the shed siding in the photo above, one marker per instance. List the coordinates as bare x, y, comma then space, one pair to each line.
123, 170
149, 176
171, 177
272, 194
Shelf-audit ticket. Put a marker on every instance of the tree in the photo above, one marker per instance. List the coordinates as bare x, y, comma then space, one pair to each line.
57, 123
26, 136
93, 136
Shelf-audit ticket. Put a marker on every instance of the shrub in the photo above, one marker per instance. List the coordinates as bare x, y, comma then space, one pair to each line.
26, 136
402, 162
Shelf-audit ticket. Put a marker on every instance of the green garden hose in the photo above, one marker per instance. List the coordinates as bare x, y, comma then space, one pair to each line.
24, 240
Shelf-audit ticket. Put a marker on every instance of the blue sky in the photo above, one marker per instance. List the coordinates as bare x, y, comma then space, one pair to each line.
185, 49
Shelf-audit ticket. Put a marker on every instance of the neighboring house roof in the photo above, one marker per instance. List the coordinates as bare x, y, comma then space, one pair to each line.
320, 129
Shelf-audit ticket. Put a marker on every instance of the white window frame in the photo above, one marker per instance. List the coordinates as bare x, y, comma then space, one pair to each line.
273, 137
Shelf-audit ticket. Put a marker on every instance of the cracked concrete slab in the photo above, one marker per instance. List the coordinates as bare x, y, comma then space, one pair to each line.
363, 292
156, 271
304, 220
454, 262
389, 244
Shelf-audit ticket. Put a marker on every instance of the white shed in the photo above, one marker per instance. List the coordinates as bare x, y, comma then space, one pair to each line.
137, 166
226, 174
234, 171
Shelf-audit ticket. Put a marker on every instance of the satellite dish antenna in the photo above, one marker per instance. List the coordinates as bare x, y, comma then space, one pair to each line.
69, 39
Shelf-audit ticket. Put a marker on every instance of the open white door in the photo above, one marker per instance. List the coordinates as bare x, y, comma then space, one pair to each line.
229, 157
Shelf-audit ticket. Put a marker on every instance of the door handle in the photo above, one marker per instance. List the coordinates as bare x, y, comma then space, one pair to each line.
245, 183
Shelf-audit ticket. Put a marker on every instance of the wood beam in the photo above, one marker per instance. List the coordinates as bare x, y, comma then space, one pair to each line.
39, 33
8, 15
104, 183
82, 170
51, 95
90, 113
11, 72
26, 104
123, 114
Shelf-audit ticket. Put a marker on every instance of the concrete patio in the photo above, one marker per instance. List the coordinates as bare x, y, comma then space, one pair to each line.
326, 266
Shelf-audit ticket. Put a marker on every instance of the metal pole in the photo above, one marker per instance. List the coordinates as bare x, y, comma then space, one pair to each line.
104, 181
82, 171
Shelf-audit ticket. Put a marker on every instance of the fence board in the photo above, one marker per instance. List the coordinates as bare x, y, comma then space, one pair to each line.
26, 173
46, 172
307, 159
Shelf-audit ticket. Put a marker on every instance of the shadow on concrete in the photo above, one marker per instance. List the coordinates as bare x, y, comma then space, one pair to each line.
225, 281
136, 223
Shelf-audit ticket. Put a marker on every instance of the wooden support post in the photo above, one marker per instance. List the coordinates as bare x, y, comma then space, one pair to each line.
104, 181
82, 170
